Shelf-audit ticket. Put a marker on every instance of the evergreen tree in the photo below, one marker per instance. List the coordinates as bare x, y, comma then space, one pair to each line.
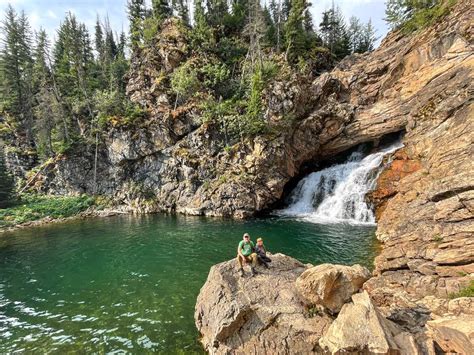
122, 43
368, 38
270, 39
355, 33
47, 108
334, 33
217, 12
278, 19
308, 21
286, 9
295, 38
182, 10
399, 12
99, 40
16, 66
73, 64
7, 187
161, 9
255, 31
136, 16
239, 16
396, 12
201, 34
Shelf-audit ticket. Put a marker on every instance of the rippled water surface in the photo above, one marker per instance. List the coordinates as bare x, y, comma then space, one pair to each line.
130, 283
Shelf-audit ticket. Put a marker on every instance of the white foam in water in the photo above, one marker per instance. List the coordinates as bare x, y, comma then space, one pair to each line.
337, 194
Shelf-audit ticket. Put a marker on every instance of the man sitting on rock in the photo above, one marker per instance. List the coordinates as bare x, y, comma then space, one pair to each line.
262, 253
246, 254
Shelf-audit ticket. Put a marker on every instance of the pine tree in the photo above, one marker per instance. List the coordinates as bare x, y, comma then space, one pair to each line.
73, 63
277, 17
255, 31
396, 12
239, 16
182, 10
7, 187
368, 38
47, 107
136, 16
286, 9
295, 38
399, 12
270, 39
355, 33
201, 35
161, 9
308, 21
217, 12
334, 33
99, 40
16, 66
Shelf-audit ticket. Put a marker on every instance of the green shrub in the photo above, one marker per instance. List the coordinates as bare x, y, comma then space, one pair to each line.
151, 26
413, 15
34, 207
184, 81
115, 108
465, 292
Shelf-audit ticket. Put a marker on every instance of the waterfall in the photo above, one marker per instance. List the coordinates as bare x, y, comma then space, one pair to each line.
337, 194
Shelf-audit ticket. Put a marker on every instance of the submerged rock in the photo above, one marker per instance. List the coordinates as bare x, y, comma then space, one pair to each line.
331, 285
261, 314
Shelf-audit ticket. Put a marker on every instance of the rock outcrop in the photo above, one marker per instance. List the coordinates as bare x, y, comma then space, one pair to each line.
453, 334
331, 285
360, 328
262, 314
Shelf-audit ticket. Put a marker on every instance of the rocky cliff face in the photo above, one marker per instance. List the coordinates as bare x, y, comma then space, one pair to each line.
174, 161
424, 201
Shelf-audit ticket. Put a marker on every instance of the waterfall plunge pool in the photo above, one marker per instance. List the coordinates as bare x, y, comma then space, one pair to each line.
129, 283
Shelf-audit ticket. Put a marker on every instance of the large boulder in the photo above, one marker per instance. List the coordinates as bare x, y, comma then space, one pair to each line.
453, 334
261, 314
331, 285
360, 328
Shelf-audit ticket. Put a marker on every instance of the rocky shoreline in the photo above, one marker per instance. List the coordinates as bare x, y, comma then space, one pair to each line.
90, 213
293, 308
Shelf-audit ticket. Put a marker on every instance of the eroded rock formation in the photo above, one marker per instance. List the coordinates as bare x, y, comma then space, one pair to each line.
261, 314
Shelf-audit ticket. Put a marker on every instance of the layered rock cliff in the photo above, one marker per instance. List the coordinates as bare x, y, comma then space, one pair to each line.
173, 161
424, 200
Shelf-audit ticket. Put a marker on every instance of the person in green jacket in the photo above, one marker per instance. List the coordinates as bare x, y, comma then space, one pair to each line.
246, 254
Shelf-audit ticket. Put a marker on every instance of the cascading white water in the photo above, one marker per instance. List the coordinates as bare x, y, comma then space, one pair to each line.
337, 194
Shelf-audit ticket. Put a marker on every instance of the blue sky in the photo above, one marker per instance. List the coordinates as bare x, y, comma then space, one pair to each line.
48, 13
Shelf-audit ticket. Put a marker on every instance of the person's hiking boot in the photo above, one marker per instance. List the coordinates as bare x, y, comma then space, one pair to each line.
241, 272
266, 265
254, 272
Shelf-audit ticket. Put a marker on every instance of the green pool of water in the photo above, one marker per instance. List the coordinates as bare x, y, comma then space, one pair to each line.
129, 283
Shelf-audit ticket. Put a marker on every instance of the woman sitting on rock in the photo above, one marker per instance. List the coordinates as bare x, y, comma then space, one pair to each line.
262, 253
